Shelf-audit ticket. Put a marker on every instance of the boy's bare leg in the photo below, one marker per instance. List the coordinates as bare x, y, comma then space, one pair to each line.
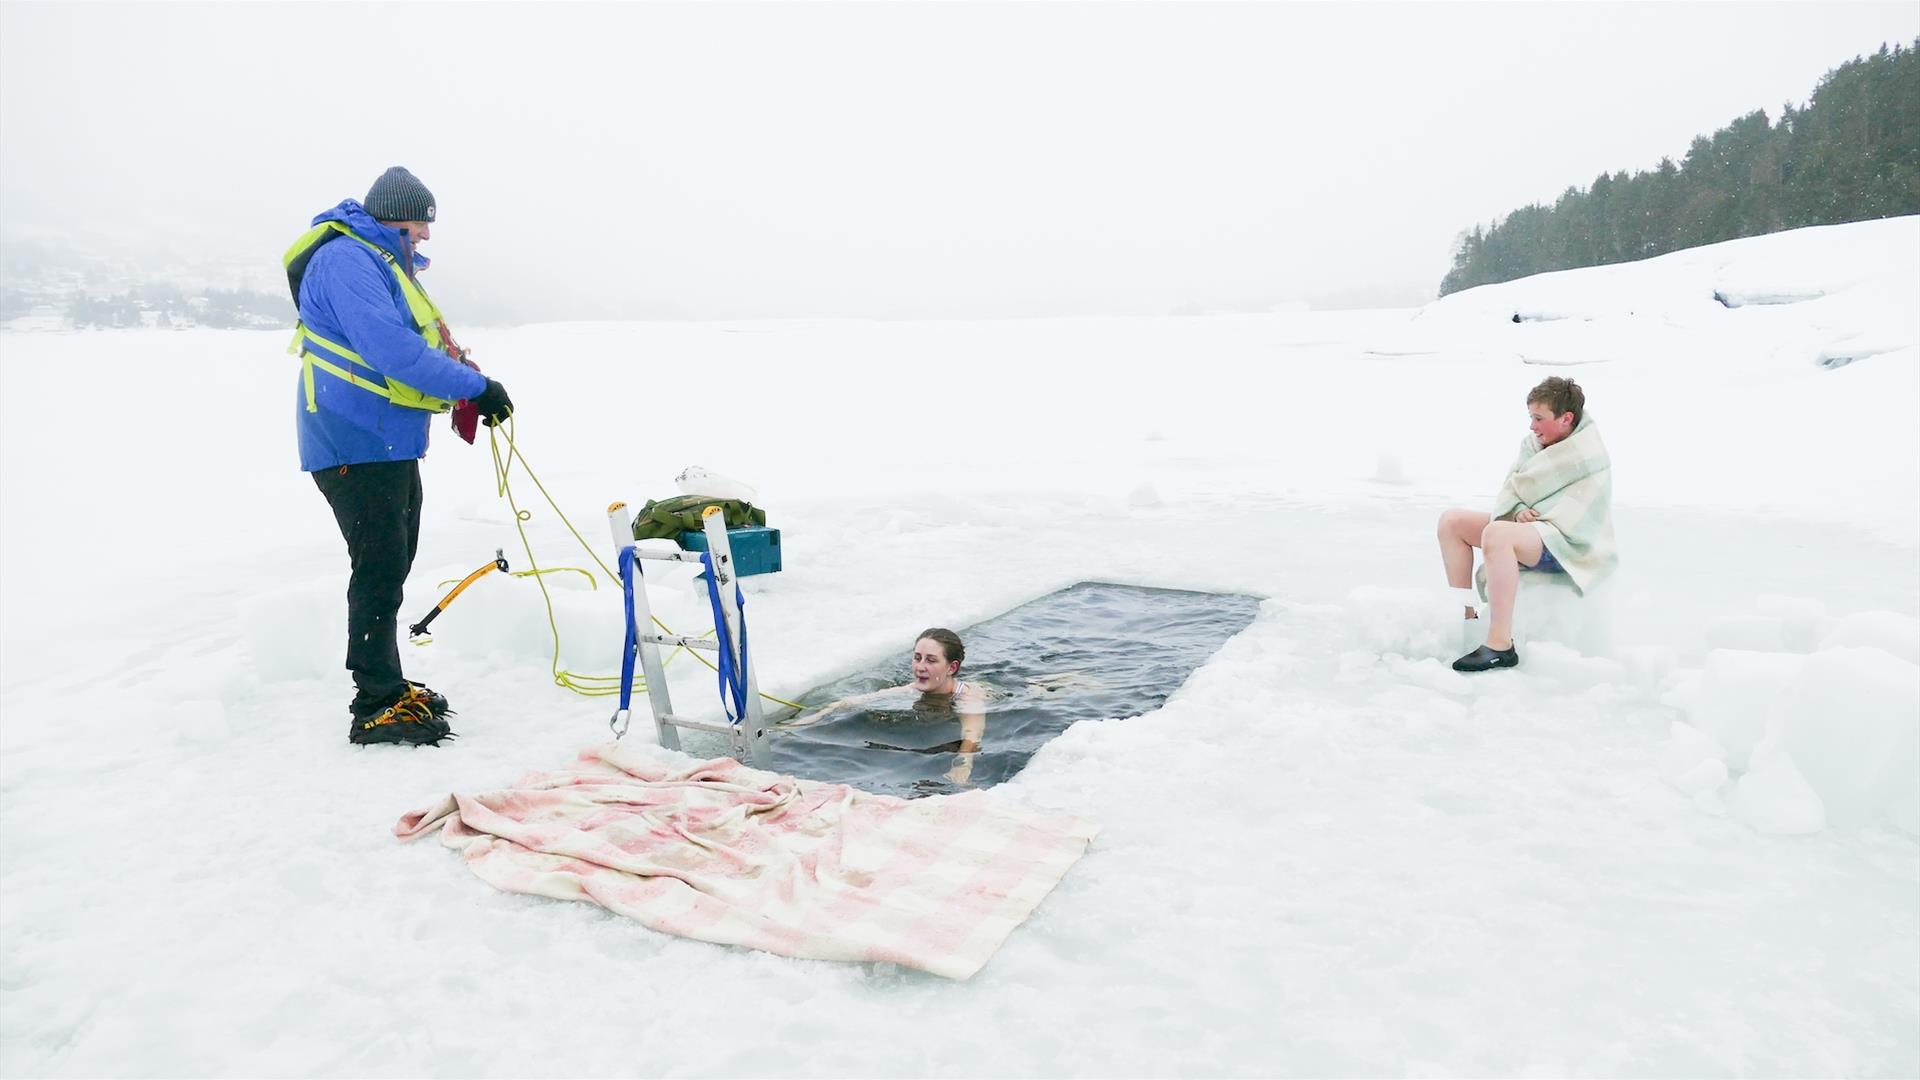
1459, 532
1506, 546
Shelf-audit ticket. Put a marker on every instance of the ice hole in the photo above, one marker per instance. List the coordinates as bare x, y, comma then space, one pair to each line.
1091, 651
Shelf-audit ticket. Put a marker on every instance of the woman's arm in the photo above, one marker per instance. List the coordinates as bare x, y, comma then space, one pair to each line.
802, 719
973, 732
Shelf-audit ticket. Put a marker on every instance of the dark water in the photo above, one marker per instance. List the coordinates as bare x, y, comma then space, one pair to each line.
1088, 652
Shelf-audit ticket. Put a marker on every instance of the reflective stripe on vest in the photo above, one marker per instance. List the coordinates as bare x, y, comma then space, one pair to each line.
421, 309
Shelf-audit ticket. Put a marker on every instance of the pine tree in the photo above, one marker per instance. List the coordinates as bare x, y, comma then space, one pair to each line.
1850, 154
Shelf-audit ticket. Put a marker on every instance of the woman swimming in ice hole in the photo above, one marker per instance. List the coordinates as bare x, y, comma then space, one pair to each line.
937, 655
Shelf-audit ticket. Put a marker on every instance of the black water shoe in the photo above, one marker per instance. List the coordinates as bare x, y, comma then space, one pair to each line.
1486, 659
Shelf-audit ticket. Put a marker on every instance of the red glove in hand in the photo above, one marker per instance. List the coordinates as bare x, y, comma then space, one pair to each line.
466, 415
466, 419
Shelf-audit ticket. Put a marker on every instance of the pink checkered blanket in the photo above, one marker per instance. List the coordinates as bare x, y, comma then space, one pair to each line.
729, 854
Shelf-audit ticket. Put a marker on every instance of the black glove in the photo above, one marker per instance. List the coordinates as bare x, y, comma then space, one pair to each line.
493, 403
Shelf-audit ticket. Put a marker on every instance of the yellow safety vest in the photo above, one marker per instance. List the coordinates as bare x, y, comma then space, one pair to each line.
425, 316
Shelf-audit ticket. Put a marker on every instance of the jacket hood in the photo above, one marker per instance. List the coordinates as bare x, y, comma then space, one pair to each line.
354, 216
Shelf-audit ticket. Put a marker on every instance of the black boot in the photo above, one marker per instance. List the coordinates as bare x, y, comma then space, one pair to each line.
407, 721
436, 702
1486, 659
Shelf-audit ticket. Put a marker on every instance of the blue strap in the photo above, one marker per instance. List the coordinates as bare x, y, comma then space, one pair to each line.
740, 681
733, 680
633, 631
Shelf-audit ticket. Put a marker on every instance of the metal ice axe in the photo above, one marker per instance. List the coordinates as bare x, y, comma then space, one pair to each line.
417, 633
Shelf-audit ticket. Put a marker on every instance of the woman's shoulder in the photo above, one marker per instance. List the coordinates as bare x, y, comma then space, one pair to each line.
967, 692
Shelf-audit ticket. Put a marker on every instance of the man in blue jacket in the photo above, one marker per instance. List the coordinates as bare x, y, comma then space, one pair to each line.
377, 363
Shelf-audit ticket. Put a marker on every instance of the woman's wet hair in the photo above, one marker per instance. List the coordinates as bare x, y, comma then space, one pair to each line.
949, 642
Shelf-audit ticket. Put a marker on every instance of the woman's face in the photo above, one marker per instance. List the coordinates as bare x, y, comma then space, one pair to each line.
932, 671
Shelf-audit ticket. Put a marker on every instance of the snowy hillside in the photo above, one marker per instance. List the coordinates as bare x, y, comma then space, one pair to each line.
1680, 839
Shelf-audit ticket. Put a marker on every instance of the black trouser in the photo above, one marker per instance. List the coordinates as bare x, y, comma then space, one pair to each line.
378, 507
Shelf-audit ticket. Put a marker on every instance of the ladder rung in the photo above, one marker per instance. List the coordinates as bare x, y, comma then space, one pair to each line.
698, 725
669, 556
681, 640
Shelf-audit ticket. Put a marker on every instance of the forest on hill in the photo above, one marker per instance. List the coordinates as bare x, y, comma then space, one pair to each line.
1851, 154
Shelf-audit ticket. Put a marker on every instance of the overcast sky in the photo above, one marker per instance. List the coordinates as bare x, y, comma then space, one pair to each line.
744, 160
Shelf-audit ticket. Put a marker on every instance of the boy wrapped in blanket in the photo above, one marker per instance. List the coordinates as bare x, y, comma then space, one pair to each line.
1554, 514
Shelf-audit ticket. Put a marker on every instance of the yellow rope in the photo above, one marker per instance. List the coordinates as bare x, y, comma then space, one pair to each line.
591, 580
585, 685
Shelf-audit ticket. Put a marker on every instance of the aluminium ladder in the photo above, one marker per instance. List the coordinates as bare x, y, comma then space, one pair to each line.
747, 735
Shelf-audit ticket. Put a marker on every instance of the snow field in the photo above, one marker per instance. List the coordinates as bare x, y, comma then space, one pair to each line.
1327, 854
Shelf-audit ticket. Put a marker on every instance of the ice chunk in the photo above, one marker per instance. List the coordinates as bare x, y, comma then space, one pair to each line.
1734, 296
1890, 632
1568, 669
1854, 348
1472, 633
1748, 633
1548, 608
1774, 798
1687, 749
1696, 765
1736, 695
1431, 674
1683, 691
1648, 666
1702, 780
1410, 622
1851, 724
1803, 621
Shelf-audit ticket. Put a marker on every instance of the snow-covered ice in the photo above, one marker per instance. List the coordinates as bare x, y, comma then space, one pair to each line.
1684, 846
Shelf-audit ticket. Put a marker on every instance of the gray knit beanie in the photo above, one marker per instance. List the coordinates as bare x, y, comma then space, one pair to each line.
399, 196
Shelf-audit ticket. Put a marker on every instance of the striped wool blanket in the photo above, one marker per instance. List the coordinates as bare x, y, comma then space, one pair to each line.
720, 852
1570, 485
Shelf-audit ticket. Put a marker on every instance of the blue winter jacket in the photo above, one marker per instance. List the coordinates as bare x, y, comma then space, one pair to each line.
348, 295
